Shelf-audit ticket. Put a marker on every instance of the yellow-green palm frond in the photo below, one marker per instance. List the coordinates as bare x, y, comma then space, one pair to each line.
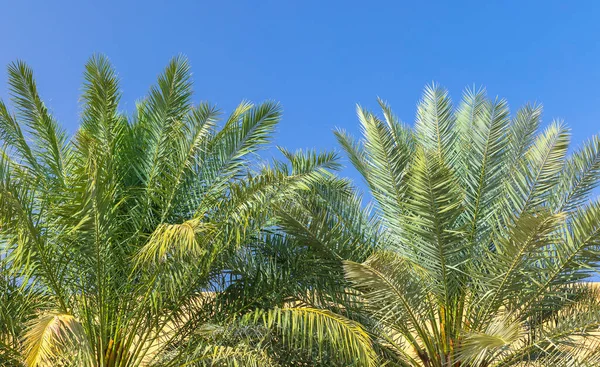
177, 240
54, 337
480, 348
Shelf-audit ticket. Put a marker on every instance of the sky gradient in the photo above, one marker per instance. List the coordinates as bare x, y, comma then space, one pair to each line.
319, 58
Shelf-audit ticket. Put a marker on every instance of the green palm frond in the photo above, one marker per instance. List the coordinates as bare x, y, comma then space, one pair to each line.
13, 136
580, 179
486, 168
435, 121
306, 328
101, 96
523, 129
433, 208
389, 148
536, 172
50, 140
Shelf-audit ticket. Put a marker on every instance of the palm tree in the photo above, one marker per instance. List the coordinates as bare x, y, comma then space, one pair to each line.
489, 235
113, 241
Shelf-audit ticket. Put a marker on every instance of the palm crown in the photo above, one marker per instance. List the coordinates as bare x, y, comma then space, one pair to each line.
489, 233
113, 240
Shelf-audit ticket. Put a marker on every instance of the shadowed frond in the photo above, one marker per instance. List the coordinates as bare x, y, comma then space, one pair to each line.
306, 328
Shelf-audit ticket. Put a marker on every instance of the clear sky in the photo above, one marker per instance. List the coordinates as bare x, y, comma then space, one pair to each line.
319, 58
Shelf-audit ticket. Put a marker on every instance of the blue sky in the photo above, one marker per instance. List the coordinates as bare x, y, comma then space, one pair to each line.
319, 58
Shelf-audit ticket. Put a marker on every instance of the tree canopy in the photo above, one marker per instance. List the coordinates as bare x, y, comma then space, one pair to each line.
162, 237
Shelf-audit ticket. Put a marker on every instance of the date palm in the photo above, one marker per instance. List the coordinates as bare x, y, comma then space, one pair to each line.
112, 240
490, 230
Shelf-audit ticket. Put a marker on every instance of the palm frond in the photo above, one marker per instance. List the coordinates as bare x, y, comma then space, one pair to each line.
581, 177
176, 240
536, 172
480, 348
486, 166
306, 328
435, 121
50, 139
51, 335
